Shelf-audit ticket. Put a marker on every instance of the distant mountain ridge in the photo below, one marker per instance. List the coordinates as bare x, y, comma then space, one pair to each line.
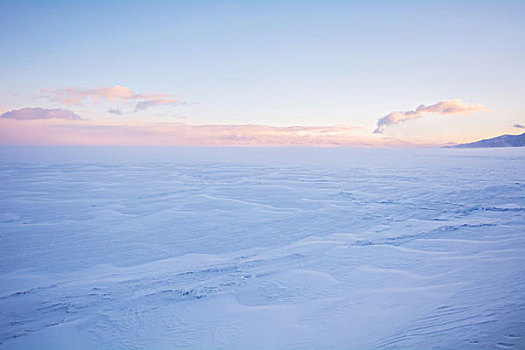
499, 141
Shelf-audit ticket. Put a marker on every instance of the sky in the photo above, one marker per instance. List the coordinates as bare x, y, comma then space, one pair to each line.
261, 73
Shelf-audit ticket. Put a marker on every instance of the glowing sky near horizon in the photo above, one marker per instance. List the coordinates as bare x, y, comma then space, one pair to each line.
260, 72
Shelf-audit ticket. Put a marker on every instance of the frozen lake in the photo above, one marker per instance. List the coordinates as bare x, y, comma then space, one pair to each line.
297, 248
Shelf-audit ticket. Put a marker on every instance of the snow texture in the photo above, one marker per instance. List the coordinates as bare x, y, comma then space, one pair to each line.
224, 248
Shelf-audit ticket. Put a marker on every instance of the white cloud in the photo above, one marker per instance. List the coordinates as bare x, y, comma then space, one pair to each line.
443, 108
115, 111
143, 105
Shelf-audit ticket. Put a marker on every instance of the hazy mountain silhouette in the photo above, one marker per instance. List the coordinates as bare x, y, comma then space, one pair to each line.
499, 141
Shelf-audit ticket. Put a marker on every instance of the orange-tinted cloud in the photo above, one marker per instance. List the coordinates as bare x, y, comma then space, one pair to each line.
114, 94
443, 107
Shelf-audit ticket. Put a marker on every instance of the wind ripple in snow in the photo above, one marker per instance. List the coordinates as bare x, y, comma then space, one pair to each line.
397, 252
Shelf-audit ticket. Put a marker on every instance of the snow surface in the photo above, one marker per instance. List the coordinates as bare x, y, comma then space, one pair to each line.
224, 248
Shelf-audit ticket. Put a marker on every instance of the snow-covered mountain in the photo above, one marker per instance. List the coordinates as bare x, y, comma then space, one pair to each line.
499, 141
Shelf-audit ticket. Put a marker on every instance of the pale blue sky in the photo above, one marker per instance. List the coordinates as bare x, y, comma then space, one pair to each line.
275, 62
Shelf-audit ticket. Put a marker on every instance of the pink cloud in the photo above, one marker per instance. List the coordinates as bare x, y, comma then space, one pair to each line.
115, 94
32, 113
442, 108
61, 132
